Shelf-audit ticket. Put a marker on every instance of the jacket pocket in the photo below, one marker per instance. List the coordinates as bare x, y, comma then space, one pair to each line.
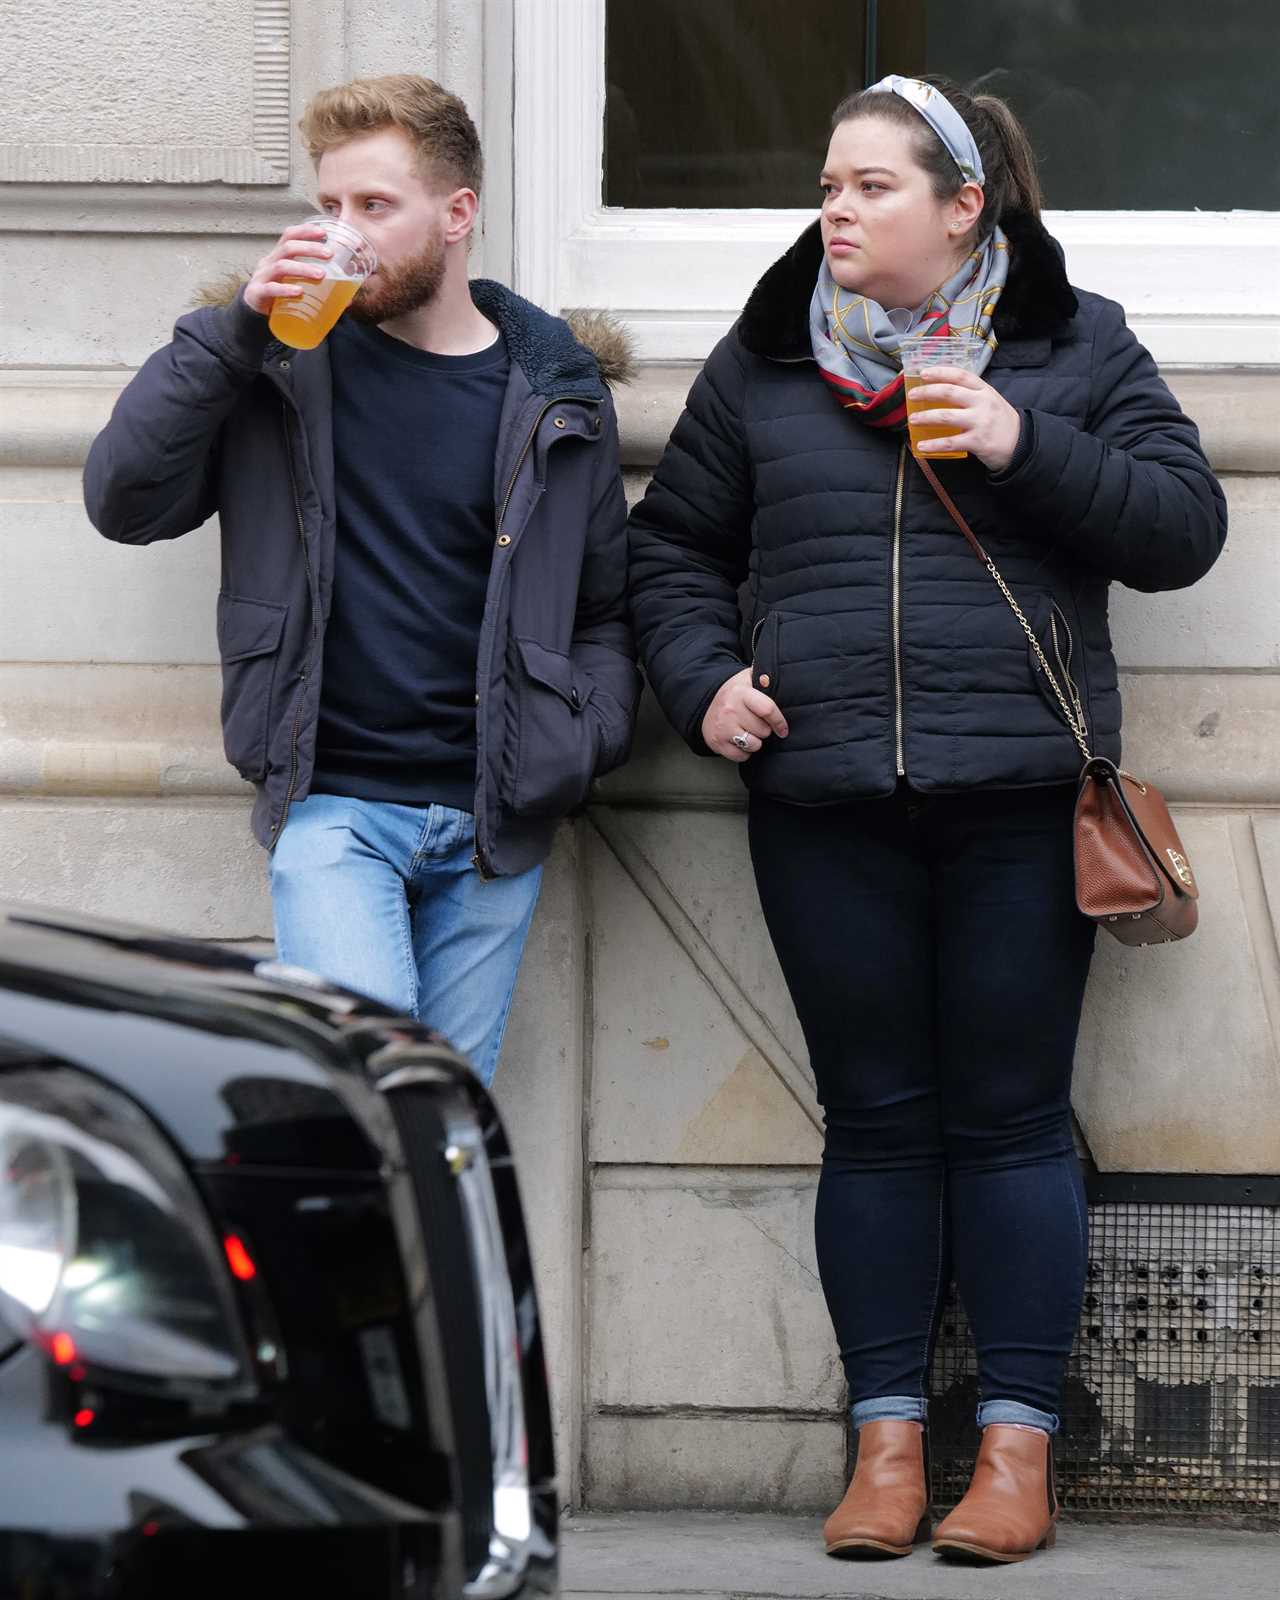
556, 744
1057, 640
249, 633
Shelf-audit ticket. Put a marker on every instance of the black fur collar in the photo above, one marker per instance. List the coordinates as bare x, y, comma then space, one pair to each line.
1036, 302
553, 360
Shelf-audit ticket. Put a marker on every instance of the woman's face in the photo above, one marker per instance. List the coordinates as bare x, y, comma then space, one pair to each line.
884, 233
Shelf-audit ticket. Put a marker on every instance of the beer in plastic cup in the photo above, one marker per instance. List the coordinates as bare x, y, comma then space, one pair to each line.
920, 352
303, 320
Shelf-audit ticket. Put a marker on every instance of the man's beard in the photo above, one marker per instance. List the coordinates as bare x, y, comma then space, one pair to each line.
403, 288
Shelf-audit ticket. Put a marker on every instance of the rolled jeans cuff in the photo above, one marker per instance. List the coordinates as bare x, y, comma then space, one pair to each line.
1012, 1411
890, 1408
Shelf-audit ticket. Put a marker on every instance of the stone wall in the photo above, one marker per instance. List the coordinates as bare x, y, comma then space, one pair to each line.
654, 1077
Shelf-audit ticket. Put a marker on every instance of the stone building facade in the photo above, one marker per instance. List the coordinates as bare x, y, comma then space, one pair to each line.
655, 1079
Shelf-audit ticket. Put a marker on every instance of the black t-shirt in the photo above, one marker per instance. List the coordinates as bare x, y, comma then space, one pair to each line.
414, 436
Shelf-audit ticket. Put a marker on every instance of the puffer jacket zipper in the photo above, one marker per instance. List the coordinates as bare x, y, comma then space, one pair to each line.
898, 720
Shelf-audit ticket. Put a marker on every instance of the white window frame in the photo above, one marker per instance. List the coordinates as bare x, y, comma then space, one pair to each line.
1201, 289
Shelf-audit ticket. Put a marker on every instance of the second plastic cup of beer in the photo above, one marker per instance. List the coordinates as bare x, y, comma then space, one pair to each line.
920, 353
303, 320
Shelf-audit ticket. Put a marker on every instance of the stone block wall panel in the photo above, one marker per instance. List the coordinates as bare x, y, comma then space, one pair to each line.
705, 1293
752, 1462
1178, 1068
75, 727
1223, 622
70, 595
189, 867
696, 1051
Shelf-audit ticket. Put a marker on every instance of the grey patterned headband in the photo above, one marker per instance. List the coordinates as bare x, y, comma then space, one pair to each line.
942, 117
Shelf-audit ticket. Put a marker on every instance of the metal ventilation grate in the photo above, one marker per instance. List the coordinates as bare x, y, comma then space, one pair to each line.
1172, 1399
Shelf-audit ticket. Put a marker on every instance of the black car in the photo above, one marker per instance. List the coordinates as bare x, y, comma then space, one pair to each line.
267, 1315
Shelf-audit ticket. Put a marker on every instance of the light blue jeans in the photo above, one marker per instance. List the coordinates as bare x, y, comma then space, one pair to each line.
383, 899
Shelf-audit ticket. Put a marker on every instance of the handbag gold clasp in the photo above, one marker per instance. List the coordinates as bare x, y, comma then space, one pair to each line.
1180, 866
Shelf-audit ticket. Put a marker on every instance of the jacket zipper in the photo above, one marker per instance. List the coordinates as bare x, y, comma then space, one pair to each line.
899, 738
306, 558
480, 860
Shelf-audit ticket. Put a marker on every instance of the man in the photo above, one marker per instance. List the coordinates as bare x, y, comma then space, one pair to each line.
425, 649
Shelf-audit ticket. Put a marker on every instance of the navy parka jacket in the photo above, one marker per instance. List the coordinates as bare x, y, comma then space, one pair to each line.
225, 419
885, 641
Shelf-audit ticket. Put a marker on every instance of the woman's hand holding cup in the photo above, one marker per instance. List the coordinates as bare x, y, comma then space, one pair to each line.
740, 719
978, 418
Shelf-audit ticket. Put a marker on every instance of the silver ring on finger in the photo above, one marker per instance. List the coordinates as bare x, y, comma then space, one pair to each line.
742, 740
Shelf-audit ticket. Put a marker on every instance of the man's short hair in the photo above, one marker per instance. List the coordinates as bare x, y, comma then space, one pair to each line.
436, 122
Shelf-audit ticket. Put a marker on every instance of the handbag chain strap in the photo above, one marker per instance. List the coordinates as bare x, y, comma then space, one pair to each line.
1074, 715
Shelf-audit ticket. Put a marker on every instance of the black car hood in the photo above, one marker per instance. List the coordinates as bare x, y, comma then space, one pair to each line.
242, 1061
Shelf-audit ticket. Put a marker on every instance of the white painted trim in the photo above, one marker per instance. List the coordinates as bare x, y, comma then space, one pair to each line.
494, 257
1193, 342
1202, 288
537, 119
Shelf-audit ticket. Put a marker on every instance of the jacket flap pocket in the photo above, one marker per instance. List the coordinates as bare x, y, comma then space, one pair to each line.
553, 671
248, 627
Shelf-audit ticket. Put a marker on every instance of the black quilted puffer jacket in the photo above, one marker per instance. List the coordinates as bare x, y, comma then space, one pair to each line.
884, 639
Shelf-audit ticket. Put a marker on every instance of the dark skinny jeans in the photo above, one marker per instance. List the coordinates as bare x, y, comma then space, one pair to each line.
937, 963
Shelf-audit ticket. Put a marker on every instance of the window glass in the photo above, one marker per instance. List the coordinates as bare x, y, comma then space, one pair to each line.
725, 103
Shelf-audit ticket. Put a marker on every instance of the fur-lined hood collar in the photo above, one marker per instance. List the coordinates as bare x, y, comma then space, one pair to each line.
1036, 303
560, 356
574, 355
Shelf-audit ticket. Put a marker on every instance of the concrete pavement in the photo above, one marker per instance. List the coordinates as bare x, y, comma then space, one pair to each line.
706, 1556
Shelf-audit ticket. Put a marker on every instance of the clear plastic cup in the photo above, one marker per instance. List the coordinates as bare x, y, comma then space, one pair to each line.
921, 352
304, 320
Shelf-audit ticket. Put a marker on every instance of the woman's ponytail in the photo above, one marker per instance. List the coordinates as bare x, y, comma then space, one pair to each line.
1017, 168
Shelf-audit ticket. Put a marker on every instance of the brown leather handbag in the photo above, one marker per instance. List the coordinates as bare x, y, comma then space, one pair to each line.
1132, 873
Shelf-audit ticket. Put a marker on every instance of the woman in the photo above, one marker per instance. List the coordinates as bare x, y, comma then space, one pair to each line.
911, 781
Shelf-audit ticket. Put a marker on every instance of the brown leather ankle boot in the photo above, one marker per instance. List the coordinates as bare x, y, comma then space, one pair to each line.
1010, 1508
886, 1507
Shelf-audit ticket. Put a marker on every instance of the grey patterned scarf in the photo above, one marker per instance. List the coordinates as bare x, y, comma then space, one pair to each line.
856, 345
